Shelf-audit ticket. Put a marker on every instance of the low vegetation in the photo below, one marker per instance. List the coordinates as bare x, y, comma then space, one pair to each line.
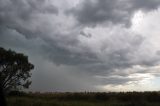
84, 99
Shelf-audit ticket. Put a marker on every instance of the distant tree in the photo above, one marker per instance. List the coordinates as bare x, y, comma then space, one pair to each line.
14, 70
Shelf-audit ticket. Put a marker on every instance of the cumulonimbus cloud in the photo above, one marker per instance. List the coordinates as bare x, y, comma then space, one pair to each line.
67, 37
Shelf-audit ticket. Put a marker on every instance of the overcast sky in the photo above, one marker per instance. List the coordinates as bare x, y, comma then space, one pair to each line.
86, 45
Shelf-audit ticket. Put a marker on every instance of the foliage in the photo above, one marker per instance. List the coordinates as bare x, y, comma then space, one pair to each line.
14, 70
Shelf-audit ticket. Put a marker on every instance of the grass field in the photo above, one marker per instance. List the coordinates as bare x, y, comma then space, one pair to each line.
84, 99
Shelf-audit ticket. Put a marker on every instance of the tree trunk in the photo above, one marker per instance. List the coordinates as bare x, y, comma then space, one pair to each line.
2, 97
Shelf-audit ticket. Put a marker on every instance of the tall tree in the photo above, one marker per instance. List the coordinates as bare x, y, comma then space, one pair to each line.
14, 70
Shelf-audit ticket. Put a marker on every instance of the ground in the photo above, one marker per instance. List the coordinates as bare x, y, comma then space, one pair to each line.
84, 99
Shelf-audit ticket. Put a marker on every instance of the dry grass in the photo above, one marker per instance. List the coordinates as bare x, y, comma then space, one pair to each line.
84, 99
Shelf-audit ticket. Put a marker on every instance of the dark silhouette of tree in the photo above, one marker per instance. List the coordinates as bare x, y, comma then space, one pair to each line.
14, 70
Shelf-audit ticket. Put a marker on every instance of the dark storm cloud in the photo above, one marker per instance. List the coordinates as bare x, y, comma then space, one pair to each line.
18, 14
98, 11
24, 8
93, 12
61, 55
22, 16
50, 49
39, 28
145, 4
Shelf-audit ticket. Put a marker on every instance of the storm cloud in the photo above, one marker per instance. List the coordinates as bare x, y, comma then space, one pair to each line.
93, 12
84, 44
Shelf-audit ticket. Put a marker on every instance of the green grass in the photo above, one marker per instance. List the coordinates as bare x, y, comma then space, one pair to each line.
85, 99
